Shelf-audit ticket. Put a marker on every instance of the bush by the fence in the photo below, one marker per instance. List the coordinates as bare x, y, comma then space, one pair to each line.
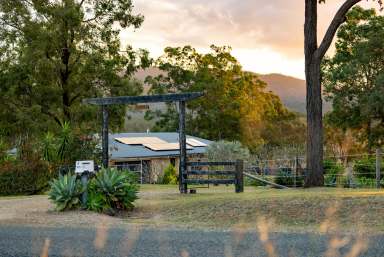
331, 167
24, 177
333, 174
170, 176
366, 182
339, 180
285, 177
365, 168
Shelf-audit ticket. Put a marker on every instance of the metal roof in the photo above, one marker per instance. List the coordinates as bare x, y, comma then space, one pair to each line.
119, 150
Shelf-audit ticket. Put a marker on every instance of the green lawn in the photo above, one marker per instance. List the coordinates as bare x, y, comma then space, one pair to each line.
319, 209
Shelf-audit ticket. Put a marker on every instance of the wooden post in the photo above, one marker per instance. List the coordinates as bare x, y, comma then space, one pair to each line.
84, 181
105, 135
183, 150
296, 170
239, 186
378, 167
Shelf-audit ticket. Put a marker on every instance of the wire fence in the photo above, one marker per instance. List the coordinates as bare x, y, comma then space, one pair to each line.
357, 170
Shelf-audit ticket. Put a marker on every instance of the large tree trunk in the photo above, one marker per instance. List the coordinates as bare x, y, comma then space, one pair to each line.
314, 103
314, 126
313, 57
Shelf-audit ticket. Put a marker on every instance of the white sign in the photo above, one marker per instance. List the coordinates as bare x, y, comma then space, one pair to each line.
82, 166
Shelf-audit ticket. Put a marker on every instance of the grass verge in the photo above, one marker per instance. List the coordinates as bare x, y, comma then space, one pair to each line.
319, 209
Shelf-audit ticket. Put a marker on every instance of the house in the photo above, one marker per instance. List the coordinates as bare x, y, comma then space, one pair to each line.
150, 153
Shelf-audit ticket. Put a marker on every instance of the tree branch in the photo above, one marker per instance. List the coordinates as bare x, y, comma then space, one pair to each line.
50, 114
74, 98
92, 19
6, 23
335, 24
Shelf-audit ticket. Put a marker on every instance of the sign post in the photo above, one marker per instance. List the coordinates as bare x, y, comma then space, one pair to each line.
84, 168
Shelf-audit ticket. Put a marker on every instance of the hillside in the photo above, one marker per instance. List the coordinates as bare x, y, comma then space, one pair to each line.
290, 90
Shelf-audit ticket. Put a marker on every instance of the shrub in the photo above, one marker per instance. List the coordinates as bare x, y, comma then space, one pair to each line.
332, 168
27, 177
366, 182
65, 192
170, 176
333, 173
224, 151
365, 168
286, 178
119, 190
338, 180
68, 146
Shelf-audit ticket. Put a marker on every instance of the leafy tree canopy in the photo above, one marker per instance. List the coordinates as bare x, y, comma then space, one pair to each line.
55, 53
354, 77
235, 106
225, 150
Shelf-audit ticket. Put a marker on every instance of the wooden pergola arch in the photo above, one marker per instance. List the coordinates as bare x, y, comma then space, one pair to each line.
180, 98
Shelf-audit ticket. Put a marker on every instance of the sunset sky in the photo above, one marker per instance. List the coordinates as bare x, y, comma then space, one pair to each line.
266, 35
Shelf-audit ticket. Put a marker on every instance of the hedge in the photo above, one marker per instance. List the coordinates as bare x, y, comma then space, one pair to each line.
24, 177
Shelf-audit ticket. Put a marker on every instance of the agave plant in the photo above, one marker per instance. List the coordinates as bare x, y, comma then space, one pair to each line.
97, 202
118, 187
65, 192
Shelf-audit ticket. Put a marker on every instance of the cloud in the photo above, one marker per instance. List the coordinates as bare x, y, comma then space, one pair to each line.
274, 26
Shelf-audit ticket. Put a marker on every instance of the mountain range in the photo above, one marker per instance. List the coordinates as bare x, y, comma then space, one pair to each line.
291, 90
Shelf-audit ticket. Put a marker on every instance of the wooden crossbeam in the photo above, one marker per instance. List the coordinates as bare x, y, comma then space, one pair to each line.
211, 172
143, 99
210, 181
196, 164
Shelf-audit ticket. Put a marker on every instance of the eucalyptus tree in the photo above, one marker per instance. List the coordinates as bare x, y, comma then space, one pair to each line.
354, 77
236, 105
54, 53
314, 54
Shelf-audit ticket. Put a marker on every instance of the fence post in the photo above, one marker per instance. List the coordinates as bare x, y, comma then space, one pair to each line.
84, 182
239, 186
296, 170
183, 187
378, 167
105, 135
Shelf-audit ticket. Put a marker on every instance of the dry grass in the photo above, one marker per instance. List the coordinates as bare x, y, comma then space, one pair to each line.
315, 210
320, 209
